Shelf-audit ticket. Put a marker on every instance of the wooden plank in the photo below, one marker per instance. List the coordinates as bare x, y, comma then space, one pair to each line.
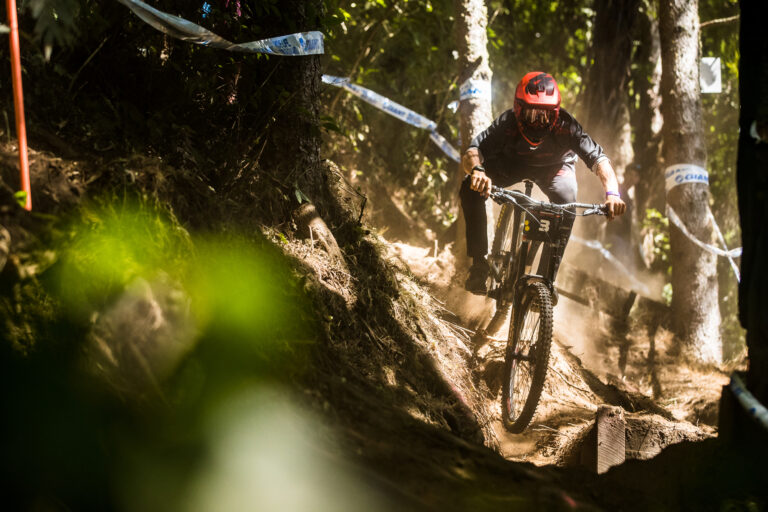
605, 445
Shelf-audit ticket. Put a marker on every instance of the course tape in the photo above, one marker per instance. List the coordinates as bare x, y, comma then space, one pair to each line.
382, 103
720, 237
748, 401
636, 284
303, 43
471, 89
443, 144
678, 174
396, 110
733, 253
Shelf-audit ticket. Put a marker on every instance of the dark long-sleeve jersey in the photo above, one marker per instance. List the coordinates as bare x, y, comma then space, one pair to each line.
504, 149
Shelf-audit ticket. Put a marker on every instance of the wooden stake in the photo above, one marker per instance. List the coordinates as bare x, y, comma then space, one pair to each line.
605, 445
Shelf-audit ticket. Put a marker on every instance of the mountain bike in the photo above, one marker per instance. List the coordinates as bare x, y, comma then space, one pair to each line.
526, 225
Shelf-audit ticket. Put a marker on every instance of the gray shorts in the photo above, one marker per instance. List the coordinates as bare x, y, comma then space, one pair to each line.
557, 182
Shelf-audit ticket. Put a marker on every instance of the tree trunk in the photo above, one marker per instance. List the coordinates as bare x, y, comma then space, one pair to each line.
694, 271
752, 183
606, 92
475, 113
292, 151
645, 172
607, 110
472, 45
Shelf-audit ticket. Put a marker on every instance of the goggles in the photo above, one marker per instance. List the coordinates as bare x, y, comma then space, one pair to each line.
538, 117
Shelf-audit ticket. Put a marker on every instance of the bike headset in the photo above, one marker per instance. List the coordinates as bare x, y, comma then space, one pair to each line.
537, 106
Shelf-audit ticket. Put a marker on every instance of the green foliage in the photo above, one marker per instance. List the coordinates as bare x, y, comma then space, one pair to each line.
234, 286
404, 51
242, 292
656, 227
547, 36
721, 114
400, 50
113, 244
161, 437
21, 197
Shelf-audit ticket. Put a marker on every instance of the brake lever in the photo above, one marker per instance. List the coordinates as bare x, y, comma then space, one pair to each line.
499, 195
597, 209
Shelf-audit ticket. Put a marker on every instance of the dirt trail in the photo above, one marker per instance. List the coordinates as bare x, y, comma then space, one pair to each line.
665, 403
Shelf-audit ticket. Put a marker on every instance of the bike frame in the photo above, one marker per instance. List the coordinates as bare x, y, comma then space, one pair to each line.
529, 234
534, 225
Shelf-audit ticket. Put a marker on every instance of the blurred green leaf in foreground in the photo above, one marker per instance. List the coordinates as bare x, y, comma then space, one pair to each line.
164, 384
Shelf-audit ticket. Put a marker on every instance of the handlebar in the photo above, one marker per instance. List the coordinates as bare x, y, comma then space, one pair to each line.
501, 195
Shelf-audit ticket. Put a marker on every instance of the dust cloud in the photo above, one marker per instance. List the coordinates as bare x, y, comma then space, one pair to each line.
578, 329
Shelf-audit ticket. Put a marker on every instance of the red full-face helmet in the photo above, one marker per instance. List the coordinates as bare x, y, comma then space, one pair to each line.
537, 105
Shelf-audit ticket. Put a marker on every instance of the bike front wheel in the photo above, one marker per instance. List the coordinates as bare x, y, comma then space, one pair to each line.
527, 357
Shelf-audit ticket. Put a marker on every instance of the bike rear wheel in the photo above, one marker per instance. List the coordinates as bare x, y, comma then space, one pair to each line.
527, 357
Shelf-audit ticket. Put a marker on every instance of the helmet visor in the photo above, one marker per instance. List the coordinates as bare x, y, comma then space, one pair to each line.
538, 117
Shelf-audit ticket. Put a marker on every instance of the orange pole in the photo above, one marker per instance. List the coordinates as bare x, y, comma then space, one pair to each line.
18, 100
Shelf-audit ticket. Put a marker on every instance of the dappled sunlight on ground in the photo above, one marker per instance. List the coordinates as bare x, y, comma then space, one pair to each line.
584, 373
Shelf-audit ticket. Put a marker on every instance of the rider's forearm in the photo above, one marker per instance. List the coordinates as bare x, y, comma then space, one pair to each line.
607, 176
470, 159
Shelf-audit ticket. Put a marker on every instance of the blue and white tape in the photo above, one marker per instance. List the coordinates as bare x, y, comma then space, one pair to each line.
679, 174
472, 89
636, 285
382, 103
302, 43
733, 253
335, 80
443, 144
748, 401
396, 110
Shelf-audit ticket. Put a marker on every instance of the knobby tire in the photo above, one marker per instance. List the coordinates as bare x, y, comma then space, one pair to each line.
503, 244
503, 233
527, 359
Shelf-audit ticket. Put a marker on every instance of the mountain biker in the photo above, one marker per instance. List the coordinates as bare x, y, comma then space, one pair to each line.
538, 140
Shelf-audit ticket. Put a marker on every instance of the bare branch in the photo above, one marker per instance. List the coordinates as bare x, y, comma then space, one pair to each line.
719, 21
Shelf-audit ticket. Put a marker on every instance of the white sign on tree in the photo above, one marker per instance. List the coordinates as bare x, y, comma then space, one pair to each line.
709, 75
